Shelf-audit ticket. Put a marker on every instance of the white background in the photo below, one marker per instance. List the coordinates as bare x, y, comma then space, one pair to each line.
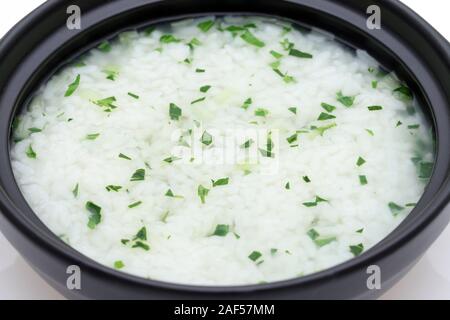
429, 279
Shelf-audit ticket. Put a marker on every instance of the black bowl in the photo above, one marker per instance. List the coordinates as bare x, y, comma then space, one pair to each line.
40, 44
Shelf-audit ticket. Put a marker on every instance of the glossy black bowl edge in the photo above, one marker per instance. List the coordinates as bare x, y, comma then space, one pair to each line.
25, 49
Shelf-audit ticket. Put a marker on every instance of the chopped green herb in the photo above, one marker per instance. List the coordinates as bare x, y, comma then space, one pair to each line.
414, 126
247, 103
299, 54
363, 180
324, 241
171, 159
174, 112
200, 70
95, 214
315, 202
306, 179
202, 193
345, 100
34, 130
107, 103
138, 175
293, 110
360, 230
357, 249
413, 204
105, 46
374, 84
135, 204
251, 39
403, 92
142, 245
205, 25
275, 54
370, 132
292, 138
273, 251
395, 208
121, 155
313, 234
287, 186
194, 42
269, 146
261, 112
119, 264
148, 31
255, 255
73, 86
375, 108
205, 89
425, 170
141, 234
75, 190
327, 107
168, 38
111, 74
30, 152
322, 130
220, 182
92, 136
247, 144
360, 162
113, 188
325, 116
206, 139
198, 100
135, 96
287, 45
221, 230
170, 194
399, 123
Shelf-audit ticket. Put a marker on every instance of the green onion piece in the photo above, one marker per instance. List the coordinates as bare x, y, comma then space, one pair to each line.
395, 208
220, 182
30, 152
168, 38
198, 100
299, 54
313, 234
138, 175
92, 136
255, 255
205, 89
345, 100
119, 264
135, 204
113, 188
121, 155
375, 108
328, 107
174, 112
73, 86
360, 162
95, 214
251, 39
325, 116
205, 25
202, 193
105, 46
247, 103
206, 139
363, 180
261, 112
357, 249
324, 241
75, 190
142, 245
135, 96
221, 230
293, 110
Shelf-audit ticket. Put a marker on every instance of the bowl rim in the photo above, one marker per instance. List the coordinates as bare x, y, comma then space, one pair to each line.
51, 242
